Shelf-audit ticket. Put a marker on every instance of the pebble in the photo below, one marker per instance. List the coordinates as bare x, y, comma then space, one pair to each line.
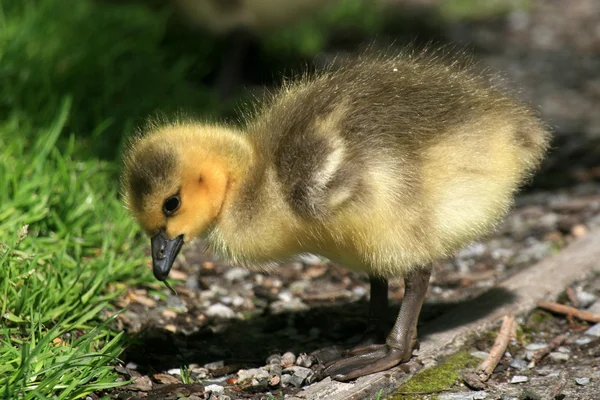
255, 375
199, 373
559, 357
288, 359
299, 375
359, 291
519, 364
536, 346
582, 381
295, 304
519, 379
462, 396
214, 365
480, 354
586, 299
304, 360
583, 340
131, 365
219, 310
214, 388
236, 274
563, 349
594, 330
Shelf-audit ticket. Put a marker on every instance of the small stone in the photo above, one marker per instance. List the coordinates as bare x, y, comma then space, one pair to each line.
131, 365
519, 379
579, 230
219, 310
586, 299
536, 346
171, 328
299, 375
236, 274
304, 360
285, 296
462, 396
214, 365
583, 340
214, 388
563, 349
169, 314
174, 371
254, 375
238, 301
288, 359
199, 373
166, 379
294, 305
559, 357
594, 330
480, 354
286, 380
143, 384
519, 364
582, 381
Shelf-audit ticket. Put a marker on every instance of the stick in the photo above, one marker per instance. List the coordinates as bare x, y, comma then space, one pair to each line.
572, 296
569, 311
486, 368
560, 385
554, 343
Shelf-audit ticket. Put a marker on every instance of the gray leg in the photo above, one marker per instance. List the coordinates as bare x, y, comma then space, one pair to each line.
378, 307
399, 343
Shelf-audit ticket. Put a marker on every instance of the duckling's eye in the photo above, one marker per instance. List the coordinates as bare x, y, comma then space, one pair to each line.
171, 205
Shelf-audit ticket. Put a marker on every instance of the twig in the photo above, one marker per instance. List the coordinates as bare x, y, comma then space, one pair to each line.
572, 296
560, 385
554, 343
486, 368
569, 311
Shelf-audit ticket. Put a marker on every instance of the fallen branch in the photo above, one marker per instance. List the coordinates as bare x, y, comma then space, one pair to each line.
560, 384
488, 365
569, 311
554, 343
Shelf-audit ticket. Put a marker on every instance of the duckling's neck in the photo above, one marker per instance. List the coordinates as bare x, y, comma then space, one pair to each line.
255, 225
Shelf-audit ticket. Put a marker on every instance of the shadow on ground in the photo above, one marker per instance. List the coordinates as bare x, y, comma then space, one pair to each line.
247, 343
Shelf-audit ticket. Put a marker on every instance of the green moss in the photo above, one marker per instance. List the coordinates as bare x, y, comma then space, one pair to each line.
437, 378
538, 317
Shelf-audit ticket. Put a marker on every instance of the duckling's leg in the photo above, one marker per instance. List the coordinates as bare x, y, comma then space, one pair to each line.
399, 343
378, 306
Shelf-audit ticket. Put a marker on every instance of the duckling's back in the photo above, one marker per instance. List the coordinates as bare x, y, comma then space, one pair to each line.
421, 148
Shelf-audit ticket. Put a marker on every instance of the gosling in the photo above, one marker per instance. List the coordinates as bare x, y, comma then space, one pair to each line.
384, 166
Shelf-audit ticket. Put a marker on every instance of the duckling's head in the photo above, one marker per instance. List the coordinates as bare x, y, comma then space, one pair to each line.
175, 183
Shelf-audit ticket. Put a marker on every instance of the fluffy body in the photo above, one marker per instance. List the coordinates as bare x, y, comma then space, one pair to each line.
384, 165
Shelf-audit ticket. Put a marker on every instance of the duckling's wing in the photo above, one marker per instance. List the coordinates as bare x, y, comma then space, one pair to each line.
313, 159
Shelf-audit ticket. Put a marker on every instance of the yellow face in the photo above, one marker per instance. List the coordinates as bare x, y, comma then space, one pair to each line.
175, 197
190, 204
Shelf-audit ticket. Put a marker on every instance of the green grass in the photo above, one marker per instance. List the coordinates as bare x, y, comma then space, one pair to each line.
64, 239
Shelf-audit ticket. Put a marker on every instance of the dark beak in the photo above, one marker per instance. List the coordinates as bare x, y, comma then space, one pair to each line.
164, 252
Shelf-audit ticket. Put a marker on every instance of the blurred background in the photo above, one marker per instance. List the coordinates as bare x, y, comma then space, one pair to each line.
121, 61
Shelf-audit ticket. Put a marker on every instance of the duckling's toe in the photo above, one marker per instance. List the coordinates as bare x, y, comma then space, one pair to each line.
380, 358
